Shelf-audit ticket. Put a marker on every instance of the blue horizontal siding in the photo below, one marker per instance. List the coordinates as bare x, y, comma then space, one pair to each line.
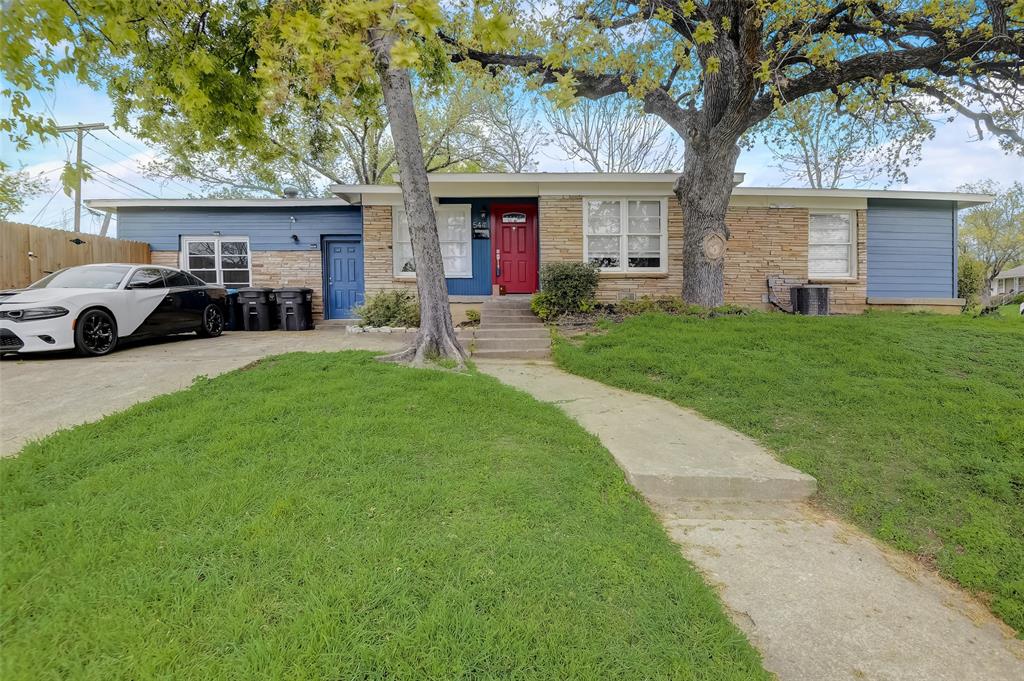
480, 283
911, 249
268, 229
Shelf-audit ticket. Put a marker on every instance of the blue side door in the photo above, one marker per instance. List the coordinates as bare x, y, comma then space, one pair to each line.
344, 264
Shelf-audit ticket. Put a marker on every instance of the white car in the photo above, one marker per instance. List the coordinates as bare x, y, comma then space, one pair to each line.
90, 308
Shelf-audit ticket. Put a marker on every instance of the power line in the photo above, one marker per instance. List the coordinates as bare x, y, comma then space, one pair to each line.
45, 206
161, 180
53, 117
106, 184
121, 180
136, 148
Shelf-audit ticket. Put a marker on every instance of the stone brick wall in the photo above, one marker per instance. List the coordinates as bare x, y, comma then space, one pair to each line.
378, 253
278, 269
561, 228
765, 241
275, 269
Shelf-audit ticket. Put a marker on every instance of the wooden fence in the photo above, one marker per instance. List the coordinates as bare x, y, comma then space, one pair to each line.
28, 253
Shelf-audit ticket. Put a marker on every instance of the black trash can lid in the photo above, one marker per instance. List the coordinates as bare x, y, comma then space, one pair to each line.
293, 289
261, 289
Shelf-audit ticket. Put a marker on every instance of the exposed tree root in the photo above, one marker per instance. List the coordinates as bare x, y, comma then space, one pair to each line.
429, 348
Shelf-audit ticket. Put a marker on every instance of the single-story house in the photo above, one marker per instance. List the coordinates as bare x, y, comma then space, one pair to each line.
887, 249
1009, 281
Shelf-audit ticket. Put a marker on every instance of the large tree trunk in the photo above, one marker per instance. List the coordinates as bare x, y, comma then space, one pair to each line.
436, 338
703, 191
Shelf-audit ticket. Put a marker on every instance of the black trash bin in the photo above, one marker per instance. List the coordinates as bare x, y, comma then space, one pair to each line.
232, 311
259, 306
295, 308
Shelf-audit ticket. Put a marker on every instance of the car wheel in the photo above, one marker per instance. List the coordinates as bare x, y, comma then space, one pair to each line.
213, 322
95, 333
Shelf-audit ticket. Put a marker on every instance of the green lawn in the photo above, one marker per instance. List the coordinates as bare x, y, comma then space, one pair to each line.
325, 516
912, 424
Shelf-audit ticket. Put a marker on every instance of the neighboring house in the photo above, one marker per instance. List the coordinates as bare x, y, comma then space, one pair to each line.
1009, 281
875, 248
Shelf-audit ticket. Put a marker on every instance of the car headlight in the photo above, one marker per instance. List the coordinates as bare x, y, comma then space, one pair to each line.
34, 313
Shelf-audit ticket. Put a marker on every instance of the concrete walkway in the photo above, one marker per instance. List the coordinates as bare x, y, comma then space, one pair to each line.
819, 599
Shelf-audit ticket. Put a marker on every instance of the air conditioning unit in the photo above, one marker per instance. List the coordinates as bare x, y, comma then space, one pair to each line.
809, 299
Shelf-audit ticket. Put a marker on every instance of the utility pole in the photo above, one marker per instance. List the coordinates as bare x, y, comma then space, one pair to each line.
80, 129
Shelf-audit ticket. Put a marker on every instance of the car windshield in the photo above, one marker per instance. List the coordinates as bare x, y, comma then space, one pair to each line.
104, 276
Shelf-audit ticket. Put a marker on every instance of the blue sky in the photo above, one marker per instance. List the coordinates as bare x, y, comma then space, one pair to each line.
948, 161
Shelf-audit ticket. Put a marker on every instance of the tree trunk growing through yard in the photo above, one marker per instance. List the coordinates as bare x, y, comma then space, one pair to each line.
436, 338
715, 69
703, 192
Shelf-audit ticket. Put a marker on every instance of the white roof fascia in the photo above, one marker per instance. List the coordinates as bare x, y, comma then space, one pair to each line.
499, 185
114, 204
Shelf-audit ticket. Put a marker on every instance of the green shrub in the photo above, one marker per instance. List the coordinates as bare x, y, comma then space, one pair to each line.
1017, 299
390, 308
970, 278
566, 287
473, 317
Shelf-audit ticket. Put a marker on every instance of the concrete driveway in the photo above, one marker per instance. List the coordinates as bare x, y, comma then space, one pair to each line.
40, 394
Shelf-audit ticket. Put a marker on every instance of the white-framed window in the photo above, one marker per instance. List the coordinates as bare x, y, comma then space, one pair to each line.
220, 260
626, 234
832, 245
454, 230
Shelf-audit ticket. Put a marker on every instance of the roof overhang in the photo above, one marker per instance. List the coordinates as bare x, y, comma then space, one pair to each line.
112, 205
520, 185
502, 185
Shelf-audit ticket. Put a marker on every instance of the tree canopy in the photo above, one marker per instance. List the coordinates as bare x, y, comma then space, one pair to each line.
818, 143
993, 233
16, 188
712, 70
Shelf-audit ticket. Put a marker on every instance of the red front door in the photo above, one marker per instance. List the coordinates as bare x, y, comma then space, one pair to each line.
514, 246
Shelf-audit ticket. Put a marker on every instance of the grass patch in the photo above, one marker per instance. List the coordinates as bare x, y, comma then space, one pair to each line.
912, 424
327, 516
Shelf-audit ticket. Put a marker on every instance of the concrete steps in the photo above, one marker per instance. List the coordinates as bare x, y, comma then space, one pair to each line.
513, 332
513, 354
509, 330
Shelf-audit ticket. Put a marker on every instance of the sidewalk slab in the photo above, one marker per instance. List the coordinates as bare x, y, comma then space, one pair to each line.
667, 452
823, 601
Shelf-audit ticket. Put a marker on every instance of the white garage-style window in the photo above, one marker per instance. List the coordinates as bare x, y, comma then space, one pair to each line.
218, 260
454, 230
831, 245
625, 235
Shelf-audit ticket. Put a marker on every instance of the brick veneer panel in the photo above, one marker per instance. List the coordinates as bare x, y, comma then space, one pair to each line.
561, 228
764, 241
378, 253
278, 269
